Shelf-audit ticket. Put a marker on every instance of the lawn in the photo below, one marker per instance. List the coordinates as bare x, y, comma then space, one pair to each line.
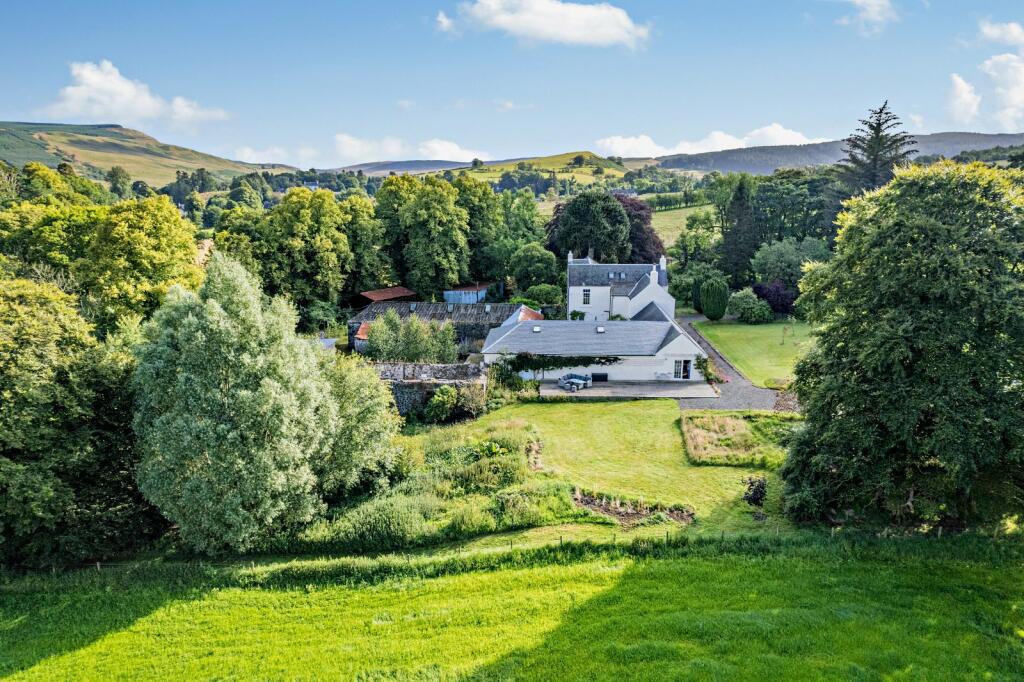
668, 224
764, 353
813, 611
635, 450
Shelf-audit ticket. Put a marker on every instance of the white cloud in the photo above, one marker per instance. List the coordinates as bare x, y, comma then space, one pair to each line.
352, 149
644, 146
554, 21
405, 104
504, 105
963, 100
1010, 33
188, 111
1007, 73
101, 93
444, 23
449, 151
871, 16
301, 157
265, 155
916, 120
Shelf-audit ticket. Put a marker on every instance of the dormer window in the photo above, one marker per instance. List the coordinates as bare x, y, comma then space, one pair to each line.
586, 297
611, 275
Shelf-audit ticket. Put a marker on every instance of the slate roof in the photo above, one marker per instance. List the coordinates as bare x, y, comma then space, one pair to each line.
650, 313
624, 276
486, 313
563, 337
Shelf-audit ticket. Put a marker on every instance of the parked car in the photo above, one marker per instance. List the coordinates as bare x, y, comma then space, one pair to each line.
574, 382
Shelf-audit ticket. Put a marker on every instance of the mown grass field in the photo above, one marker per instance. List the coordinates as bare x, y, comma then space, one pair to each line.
826, 609
765, 353
668, 224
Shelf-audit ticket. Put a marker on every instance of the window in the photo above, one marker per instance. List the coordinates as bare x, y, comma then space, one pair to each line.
586, 297
677, 371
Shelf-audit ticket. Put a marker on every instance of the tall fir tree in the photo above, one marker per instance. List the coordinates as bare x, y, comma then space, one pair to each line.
741, 235
875, 149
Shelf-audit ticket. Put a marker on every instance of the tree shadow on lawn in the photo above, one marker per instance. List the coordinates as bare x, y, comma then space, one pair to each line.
805, 614
43, 616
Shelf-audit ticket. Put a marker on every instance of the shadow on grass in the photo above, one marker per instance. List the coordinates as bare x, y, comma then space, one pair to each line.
786, 617
42, 616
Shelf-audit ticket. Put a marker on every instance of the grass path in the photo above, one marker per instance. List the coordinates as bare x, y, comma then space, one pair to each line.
760, 351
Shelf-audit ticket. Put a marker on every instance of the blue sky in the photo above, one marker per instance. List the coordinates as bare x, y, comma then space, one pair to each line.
321, 83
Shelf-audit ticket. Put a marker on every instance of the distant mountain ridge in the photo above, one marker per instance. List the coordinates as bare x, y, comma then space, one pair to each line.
765, 160
93, 149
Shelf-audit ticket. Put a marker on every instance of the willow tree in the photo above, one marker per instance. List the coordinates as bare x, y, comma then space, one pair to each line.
232, 415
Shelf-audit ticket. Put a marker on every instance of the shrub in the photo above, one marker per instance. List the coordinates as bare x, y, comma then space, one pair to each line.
777, 295
470, 518
545, 294
708, 370
714, 298
749, 309
757, 490
491, 473
441, 405
515, 509
387, 523
472, 400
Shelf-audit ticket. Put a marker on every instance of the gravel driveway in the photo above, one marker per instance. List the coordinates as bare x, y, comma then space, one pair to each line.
737, 393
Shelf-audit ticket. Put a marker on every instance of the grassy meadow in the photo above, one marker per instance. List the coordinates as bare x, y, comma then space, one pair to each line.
764, 353
951, 609
738, 437
725, 598
560, 163
668, 224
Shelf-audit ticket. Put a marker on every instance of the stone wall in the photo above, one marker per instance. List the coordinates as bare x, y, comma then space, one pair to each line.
418, 371
413, 384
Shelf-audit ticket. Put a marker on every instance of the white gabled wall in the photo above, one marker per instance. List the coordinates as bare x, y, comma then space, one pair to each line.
600, 302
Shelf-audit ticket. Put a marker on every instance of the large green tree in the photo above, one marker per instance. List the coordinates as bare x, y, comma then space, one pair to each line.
305, 254
232, 413
393, 195
591, 222
485, 220
531, 265
875, 149
784, 260
67, 490
371, 266
436, 254
741, 234
120, 182
137, 252
913, 389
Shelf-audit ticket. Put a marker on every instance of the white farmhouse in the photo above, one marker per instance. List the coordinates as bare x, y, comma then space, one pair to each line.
642, 334
613, 290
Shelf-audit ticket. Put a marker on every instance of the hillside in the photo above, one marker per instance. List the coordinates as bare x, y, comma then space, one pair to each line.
93, 149
764, 160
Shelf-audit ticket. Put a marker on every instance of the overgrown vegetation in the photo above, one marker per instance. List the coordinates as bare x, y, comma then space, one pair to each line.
749, 438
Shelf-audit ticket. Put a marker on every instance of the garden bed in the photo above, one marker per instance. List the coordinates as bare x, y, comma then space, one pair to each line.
738, 438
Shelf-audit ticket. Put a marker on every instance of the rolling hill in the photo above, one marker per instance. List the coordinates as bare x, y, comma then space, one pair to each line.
93, 149
764, 160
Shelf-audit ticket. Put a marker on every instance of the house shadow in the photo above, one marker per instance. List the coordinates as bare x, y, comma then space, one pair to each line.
43, 617
801, 615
